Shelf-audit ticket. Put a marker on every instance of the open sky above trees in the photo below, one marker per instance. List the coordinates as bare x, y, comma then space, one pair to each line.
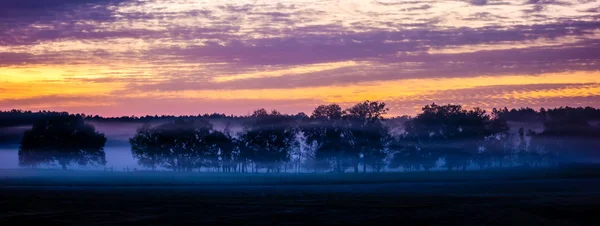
180, 57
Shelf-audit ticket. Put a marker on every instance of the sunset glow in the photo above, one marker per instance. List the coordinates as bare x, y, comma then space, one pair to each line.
138, 57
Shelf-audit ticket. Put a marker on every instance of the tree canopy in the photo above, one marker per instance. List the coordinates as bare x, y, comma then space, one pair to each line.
269, 138
446, 132
62, 139
181, 145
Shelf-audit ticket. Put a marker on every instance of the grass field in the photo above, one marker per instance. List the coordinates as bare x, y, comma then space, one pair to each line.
566, 196
141, 178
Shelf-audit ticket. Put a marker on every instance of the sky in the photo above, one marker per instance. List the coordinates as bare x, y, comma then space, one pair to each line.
189, 57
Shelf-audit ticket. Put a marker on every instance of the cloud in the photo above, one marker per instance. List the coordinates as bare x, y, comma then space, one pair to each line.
479, 2
305, 48
36, 4
488, 2
14, 58
34, 10
55, 101
549, 2
385, 56
180, 46
31, 21
540, 5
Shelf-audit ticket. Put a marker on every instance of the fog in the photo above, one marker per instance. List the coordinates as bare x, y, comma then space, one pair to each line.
117, 157
118, 150
9, 158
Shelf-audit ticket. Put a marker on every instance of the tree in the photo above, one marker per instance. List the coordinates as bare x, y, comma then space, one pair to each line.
327, 131
145, 147
246, 153
224, 146
497, 150
568, 133
62, 139
412, 156
269, 139
452, 133
538, 147
182, 145
369, 134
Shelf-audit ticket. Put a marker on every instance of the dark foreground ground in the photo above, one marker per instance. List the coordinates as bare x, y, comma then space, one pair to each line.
500, 202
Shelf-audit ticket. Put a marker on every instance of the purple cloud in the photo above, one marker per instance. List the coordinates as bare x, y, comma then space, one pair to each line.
185, 46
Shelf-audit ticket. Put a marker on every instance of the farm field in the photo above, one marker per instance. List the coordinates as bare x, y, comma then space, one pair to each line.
97, 198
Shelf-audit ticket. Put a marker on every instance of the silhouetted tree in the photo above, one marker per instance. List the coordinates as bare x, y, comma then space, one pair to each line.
412, 156
269, 139
226, 148
452, 133
330, 139
369, 134
62, 139
182, 145
538, 147
246, 153
328, 132
568, 133
146, 147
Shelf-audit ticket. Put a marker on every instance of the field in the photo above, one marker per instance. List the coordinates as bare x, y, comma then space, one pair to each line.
568, 196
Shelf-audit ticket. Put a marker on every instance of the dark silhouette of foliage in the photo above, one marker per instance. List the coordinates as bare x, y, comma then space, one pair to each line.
369, 134
62, 139
526, 114
328, 132
182, 145
330, 139
447, 132
146, 147
227, 150
269, 139
568, 133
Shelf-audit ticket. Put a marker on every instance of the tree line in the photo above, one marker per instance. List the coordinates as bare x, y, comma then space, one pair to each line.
331, 139
18, 117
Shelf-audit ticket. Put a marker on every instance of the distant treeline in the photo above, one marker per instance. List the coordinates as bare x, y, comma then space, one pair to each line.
331, 138
530, 115
17, 117
27, 118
